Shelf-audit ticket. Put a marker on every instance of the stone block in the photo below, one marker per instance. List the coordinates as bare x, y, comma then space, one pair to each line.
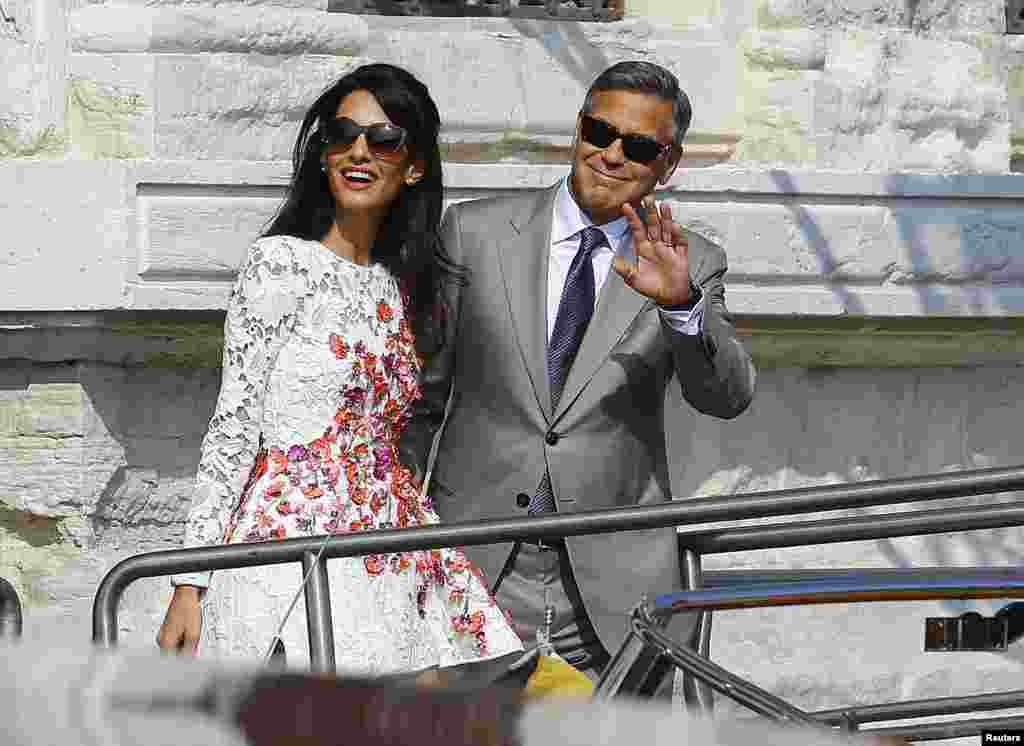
200, 236
956, 245
111, 104
775, 14
714, 89
778, 109
467, 61
60, 458
898, 102
254, 5
948, 100
795, 241
475, 76
237, 106
67, 234
792, 49
955, 16
32, 89
223, 28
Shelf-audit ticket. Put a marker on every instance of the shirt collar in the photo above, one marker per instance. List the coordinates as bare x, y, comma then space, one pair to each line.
569, 219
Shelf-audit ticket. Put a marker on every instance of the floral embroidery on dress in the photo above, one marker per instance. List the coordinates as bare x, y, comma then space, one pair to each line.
321, 375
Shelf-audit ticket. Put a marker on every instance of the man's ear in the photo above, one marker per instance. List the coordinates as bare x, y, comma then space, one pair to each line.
575, 137
673, 163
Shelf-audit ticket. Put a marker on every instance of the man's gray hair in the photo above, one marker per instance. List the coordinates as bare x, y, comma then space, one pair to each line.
645, 77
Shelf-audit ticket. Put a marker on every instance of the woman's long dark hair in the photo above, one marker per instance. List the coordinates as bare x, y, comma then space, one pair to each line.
408, 243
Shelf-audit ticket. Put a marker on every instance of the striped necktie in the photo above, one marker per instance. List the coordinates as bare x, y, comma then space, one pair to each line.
574, 312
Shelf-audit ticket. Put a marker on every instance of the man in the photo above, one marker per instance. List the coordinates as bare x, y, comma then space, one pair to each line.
559, 366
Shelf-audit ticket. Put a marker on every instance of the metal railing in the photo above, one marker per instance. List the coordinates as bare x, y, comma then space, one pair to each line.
684, 513
10, 611
648, 654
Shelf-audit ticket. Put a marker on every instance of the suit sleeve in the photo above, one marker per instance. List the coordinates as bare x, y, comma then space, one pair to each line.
437, 376
714, 370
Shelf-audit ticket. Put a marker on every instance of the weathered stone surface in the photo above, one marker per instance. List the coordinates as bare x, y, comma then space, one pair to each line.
467, 58
111, 102
66, 234
778, 117
200, 236
92, 469
896, 102
798, 49
954, 16
798, 242
772, 240
811, 13
224, 28
237, 106
32, 88
253, 5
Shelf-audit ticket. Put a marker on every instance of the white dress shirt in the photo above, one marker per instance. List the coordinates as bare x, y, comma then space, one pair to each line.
567, 223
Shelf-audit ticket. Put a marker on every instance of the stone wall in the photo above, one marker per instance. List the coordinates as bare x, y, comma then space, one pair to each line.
855, 158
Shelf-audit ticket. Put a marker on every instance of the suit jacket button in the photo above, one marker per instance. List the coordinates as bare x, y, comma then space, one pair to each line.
522, 500
552, 437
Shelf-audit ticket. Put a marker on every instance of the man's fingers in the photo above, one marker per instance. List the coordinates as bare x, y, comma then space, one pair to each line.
679, 239
651, 220
632, 217
626, 270
667, 225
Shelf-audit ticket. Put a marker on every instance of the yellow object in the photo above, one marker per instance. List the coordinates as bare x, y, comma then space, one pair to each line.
553, 677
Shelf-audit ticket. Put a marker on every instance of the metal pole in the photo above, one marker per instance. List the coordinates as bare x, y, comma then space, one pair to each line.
697, 693
729, 684
10, 611
943, 731
318, 615
996, 583
925, 708
833, 530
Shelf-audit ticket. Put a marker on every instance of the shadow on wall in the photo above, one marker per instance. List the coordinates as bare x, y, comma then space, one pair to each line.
569, 47
811, 427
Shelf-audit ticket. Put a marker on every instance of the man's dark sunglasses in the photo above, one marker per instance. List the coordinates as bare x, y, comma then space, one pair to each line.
639, 148
383, 139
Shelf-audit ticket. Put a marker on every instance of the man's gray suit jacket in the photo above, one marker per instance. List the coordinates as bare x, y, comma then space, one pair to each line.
604, 445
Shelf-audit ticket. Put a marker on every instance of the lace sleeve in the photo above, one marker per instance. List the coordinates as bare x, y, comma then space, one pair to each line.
261, 313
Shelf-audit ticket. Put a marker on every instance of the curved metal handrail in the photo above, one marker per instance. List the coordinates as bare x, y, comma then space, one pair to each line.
640, 663
682, 513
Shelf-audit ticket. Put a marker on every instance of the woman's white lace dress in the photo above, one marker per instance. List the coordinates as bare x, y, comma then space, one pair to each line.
320, 375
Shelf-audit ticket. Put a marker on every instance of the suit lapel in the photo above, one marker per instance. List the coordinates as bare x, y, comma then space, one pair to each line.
524, 267
617, 306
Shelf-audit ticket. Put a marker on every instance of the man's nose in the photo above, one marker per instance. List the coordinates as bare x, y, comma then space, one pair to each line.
613, 154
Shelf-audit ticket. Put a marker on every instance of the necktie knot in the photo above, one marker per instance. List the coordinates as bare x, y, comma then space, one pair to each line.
590, 239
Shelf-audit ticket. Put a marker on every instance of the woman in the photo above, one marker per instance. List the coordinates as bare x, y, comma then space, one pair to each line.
319, 378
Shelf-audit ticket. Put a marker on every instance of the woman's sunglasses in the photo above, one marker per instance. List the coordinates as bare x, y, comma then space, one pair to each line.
639, 148
383, 140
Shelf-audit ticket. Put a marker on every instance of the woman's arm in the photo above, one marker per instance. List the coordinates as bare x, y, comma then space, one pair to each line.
261, 313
